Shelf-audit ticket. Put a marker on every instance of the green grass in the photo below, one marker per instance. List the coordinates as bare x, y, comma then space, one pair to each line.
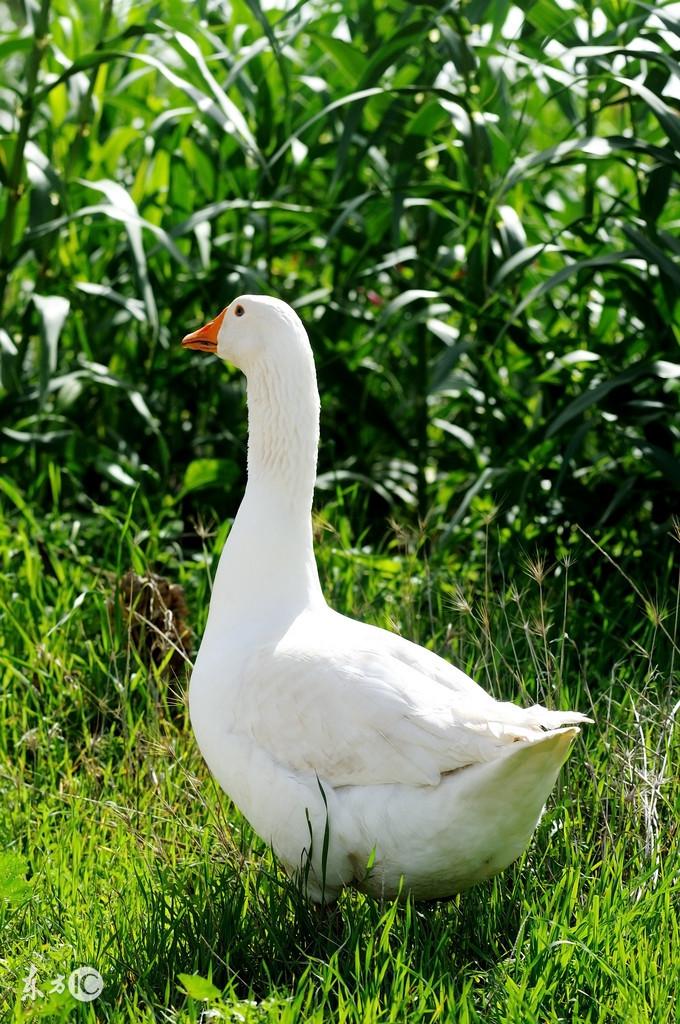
138, 866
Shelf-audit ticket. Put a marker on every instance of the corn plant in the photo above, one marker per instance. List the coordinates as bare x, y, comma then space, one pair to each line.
474, 207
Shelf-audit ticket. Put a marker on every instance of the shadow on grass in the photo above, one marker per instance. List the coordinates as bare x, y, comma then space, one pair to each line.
250, 928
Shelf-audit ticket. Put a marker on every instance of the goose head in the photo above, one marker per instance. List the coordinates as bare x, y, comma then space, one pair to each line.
250, 330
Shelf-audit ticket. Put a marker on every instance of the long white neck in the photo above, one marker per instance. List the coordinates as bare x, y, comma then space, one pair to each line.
267, 573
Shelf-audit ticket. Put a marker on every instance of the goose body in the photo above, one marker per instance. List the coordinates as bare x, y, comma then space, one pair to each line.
361, 757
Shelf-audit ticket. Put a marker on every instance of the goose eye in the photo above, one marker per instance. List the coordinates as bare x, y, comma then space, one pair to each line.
239, 311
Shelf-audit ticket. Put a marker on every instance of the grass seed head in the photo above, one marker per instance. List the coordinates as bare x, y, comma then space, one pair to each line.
536, 568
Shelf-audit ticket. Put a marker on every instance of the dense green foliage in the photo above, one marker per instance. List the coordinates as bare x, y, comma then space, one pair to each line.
474, 207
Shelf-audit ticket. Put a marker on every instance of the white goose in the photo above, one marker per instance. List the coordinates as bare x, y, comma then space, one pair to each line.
361, 757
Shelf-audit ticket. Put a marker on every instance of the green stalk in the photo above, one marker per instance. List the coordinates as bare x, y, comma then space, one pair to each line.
589, 176
15, 186
86, 103
422, 381
590, 121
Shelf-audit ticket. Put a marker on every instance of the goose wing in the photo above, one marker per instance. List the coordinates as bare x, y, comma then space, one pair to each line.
357, 715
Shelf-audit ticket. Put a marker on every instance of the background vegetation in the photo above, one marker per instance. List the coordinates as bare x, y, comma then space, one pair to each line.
474, 207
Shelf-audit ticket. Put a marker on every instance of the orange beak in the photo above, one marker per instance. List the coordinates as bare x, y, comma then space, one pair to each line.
205, 338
